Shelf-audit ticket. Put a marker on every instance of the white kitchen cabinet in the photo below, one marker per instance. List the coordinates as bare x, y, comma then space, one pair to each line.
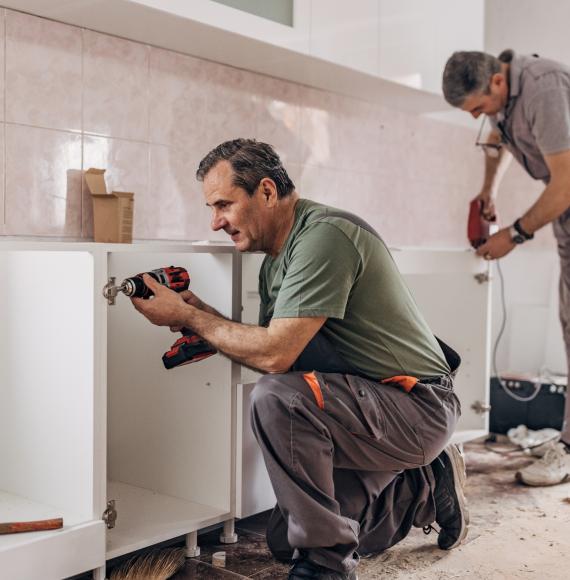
88, 413
415, 38
453, 291
346, 33
332, 46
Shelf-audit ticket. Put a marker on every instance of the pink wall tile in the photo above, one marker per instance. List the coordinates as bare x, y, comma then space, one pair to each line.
2, 196
43, 182
127, 169
43, 72
115, 87
231, 108
2, 60
178, 95
176, 209
278, 116
319, 135
156, 113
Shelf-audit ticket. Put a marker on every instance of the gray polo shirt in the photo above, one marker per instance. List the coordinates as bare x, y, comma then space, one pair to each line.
536, 119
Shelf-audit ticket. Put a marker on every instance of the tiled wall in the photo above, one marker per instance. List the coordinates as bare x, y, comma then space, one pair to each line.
74, 99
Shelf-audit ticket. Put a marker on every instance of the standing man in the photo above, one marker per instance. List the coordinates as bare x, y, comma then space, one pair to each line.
527, 100
357, 406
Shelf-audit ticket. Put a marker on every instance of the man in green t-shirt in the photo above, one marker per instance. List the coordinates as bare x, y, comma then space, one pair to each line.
357, 405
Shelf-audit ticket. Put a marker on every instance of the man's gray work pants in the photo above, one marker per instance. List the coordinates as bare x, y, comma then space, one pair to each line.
348, 459
562, 233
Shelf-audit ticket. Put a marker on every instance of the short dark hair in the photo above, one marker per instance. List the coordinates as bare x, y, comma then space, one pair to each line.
467, 73
251, 161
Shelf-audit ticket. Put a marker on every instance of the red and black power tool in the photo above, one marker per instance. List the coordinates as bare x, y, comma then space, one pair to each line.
189, 347
478, 228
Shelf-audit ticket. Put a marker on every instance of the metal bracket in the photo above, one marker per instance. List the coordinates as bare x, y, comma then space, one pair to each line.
482, 277
480, 408
110, 514
110, 291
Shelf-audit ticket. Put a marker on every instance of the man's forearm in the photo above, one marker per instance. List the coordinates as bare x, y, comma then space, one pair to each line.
495, 168
554, 200
247, 344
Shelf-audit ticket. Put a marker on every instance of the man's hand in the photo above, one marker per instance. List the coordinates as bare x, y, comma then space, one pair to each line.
190, 298
166, 308
497, 246
488, 212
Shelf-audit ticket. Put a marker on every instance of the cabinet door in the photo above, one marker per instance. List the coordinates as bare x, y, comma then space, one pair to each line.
452, 292
47, 414
346, 33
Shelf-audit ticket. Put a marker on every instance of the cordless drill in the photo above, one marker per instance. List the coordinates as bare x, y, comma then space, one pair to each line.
189, 347
478, 228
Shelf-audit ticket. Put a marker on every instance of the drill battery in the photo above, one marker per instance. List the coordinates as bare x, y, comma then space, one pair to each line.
189, 348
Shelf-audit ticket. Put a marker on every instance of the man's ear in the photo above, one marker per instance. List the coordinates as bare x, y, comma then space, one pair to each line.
269, 191
498, 80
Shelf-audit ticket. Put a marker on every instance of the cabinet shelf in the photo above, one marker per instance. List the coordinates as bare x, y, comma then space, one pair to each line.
146, 517
14, 508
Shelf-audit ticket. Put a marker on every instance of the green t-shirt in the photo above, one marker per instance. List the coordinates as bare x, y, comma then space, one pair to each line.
330, 266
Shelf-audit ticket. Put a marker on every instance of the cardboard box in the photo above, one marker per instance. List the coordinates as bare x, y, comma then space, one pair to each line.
112, 212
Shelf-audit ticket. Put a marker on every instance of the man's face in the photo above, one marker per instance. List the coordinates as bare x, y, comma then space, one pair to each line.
242, 217
488, 103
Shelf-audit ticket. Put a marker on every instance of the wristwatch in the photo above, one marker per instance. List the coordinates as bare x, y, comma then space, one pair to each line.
518, 235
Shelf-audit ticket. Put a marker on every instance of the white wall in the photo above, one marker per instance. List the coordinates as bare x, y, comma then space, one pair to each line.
528, 26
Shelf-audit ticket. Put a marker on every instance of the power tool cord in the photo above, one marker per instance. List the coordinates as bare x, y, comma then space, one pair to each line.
497, 341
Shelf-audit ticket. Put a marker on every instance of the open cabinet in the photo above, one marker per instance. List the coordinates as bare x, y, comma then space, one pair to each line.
453, 291
89, 415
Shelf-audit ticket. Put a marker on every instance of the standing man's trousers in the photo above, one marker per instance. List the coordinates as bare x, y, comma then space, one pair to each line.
562, 233
348, 459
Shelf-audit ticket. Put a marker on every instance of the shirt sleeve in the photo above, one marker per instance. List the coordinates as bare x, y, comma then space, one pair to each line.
549, 114
323, 266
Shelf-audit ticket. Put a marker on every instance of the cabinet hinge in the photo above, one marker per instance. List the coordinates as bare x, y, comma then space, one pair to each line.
482, 277
110, 514
480, 408
110, 291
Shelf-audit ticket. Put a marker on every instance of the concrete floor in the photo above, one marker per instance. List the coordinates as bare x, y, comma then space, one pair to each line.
516, 532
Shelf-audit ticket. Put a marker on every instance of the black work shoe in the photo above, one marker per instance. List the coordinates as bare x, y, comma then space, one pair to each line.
305, 569
451, 511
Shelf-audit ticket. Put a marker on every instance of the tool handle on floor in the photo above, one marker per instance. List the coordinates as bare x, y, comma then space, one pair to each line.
36, 526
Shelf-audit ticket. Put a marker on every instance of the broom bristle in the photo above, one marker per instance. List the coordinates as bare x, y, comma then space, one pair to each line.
157, 565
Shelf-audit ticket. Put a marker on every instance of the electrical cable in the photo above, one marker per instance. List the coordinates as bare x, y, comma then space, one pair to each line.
496, 346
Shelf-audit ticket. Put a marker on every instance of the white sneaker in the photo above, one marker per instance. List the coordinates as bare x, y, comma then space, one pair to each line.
540, 450
528, 438
552, 469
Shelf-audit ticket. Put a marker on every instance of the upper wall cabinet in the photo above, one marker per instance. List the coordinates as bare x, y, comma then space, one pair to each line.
415, 38
346, 33
388, 51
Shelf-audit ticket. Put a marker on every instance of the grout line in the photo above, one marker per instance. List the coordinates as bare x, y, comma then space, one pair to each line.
4, 156
82, 125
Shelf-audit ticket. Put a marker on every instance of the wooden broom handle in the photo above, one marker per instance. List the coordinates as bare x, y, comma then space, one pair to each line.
37, 526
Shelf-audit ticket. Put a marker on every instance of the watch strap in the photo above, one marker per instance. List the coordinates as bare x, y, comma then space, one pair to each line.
518, 228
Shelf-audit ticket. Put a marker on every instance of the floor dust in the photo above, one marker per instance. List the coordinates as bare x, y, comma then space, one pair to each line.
516, 531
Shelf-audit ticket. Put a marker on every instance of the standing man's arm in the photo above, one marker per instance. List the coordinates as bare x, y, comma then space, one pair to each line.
495, 168
553, 201
273, 349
